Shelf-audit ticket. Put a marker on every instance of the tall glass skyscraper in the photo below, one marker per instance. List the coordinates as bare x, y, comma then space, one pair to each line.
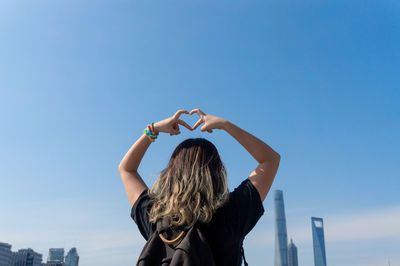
26, 257
317, 226
72, 258
292, 254
56, 255
5, 254
281, 253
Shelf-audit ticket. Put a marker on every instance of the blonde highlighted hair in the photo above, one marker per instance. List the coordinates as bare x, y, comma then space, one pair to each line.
192, 187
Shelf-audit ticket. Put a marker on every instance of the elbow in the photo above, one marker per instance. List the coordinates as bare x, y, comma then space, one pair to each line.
276, 159
272, 158
121, 168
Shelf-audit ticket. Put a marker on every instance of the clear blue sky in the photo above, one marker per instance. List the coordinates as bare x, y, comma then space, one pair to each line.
317, 80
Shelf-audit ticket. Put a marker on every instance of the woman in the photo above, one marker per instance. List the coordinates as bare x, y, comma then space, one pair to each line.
193, 187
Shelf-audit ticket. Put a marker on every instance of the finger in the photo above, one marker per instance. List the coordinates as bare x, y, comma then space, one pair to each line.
209, 130
198, 111
175, 126
179, 112
204, 128
175, 129
183, 123
198, 123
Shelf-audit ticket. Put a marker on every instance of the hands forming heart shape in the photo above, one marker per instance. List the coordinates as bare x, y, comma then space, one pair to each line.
171, 124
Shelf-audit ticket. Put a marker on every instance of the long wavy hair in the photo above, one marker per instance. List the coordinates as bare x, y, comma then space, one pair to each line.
192, 187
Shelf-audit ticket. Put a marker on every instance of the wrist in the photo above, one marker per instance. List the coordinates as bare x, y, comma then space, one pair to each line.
225, 124
156, 127
150, 132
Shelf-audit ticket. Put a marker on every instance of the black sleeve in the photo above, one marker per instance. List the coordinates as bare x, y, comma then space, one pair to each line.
140, 214
249, 209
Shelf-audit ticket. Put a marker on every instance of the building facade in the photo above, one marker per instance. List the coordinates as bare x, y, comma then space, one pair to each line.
72, 258
317, 225
26, 257
292, 254
5, 254
55, 263
56, 255
281, 253
18, 259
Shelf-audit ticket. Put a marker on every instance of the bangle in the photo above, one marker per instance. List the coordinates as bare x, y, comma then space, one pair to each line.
149, 131
153, 130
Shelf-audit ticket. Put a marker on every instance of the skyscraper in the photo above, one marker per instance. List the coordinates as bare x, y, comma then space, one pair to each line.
281, 254
292, 254
54, 263
56, 255
26, 257
5, 254
72, 258
317, 226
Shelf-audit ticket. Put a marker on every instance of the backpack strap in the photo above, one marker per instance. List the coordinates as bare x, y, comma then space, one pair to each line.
173, 241
163, 226
244, 258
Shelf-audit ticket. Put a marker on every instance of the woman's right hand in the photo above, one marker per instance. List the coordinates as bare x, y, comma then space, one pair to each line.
210, 121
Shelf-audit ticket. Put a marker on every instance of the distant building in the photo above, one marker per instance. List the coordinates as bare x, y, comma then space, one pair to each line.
72, 258
317, 226
5, 254
59, 263
56, 255
292, 254
281, 253
26, 257
18, 258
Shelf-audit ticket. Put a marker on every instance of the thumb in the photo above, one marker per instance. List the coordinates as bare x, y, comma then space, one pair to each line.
204, 128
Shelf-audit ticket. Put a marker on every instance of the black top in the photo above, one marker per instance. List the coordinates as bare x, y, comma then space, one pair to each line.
226, 230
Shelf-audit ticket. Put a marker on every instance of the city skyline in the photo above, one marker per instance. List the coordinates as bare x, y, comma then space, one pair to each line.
29, 257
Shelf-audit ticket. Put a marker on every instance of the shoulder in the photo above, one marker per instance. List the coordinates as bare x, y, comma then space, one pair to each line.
140, 214
143, 201
246, 191
246, 205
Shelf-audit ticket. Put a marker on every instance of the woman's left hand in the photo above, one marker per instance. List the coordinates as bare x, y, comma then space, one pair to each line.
171, 124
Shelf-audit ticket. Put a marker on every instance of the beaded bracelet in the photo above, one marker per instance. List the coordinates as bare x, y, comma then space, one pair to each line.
149, 131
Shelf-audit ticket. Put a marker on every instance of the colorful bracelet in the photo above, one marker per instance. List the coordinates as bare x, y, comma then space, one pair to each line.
149, 131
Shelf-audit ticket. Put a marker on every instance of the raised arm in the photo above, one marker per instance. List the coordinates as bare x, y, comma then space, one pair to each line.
133, 182
268, 159
128, 167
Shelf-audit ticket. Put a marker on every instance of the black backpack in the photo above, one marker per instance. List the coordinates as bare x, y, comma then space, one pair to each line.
176, 247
